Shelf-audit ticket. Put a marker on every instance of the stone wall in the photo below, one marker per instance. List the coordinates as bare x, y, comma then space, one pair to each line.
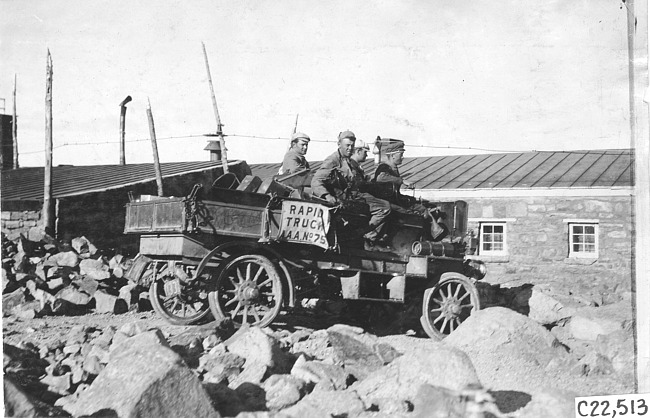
15, 223
537, 237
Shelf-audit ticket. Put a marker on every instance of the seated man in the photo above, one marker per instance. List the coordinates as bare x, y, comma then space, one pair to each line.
391, 154
341, 164
294, 159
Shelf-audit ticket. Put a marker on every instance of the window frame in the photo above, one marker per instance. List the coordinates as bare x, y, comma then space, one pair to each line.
571, 223
495, 222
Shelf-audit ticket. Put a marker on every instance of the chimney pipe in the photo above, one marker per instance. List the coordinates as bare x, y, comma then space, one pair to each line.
122, 128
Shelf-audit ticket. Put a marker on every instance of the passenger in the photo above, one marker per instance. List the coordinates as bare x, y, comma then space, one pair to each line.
294, 159
335, 180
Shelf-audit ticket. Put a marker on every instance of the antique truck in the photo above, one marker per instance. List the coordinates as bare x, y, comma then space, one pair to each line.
247, 249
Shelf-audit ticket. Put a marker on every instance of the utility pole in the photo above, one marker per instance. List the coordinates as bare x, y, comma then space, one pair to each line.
48, 207
122, 128
154, 146
14, 131
295, 125
222, 141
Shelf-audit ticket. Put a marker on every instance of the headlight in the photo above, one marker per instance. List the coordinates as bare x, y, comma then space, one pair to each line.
475, 269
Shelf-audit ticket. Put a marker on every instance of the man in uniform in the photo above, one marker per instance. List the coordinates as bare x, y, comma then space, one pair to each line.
340, 163
294, 160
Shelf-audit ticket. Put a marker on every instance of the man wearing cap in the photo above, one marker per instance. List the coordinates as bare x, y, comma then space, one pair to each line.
294, 160
391, 153
346, 161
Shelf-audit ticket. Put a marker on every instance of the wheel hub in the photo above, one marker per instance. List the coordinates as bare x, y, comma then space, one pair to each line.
451, 308
248, 292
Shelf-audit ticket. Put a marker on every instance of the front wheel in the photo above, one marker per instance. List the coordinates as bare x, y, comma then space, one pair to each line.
248, 290
448, 304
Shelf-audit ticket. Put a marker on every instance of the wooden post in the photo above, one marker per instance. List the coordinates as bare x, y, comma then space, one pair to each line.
122, 128
154, 146
295, 125
14, 132
222, 141
48, 206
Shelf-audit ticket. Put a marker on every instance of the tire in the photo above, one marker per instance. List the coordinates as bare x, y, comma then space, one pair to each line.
179, 302
448, 304
248, 290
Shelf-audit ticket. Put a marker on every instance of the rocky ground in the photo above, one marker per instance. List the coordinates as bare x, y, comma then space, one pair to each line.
81, 340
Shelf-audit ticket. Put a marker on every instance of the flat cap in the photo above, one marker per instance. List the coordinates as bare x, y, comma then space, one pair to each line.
347, 134
299, 135
389, 145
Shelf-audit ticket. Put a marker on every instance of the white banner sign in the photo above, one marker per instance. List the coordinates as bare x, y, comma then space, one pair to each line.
305, 222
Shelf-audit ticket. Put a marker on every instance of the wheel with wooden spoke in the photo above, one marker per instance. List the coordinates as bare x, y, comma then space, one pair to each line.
177, 297
448, 304
248, 290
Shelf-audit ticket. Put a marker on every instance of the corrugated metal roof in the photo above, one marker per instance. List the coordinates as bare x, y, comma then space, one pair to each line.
536, 169
27, 183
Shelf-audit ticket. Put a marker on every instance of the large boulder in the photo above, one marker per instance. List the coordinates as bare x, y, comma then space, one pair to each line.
144, 378
500, 342
438, 365
506, 330
547, 308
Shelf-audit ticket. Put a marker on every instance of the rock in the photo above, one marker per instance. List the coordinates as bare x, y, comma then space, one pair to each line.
58, 384
224, 399
144, 304
93, 365
324, 376
590, 322
325, 404
508, 332
144, 378
43, 297
618, 348
129, 294
17, 403
252, 396
74, 296
105, 303
283, 390
262, 354
438, 365
436, 402
220, 368
27, 310
90, 265
11, 300
358, 352
55, 284
83, 246
550, 309
116, 261
549, 403
63, 259
86, 284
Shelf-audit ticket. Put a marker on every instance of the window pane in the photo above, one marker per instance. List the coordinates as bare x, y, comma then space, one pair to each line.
487, 229
498, 246
578, 229
589, 229
487, 246
591, 239
498, 229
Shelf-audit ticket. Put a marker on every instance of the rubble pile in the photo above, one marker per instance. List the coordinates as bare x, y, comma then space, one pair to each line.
527, 353
50, 278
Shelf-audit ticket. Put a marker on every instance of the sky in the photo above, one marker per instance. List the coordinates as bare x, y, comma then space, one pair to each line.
446, 77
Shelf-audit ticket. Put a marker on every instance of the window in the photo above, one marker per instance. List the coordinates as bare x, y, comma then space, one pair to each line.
583, 239
492, 239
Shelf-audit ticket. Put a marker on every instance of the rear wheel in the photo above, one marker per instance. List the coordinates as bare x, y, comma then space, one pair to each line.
177, 297
248, 290
448, 304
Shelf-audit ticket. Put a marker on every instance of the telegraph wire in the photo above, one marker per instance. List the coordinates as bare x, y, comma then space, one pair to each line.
278, 138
